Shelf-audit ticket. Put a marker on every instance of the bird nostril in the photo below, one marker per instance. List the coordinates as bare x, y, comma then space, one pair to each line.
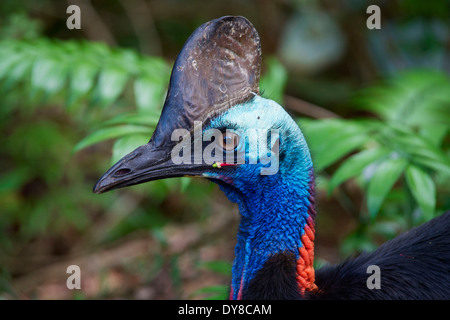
122, 172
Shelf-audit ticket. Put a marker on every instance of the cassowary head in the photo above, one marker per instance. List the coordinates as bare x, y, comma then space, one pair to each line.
215, 125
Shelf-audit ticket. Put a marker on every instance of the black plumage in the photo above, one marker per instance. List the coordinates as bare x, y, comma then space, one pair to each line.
414, 265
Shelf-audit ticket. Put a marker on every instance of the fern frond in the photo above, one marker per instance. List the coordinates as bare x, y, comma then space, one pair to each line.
82, 70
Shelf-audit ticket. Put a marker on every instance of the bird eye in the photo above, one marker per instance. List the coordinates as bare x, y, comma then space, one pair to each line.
229, 141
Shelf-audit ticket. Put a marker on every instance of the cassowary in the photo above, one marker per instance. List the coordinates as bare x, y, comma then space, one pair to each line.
214, 124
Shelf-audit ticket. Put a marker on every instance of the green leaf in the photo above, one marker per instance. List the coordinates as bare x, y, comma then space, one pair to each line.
354, 165
110, 85
110, 133
18, 72
184, 183
357, 241
365, 99
412, 98
418, 149
148, 94
125, 145
7, 62
218, 266
14, 179
331, 139
141, 118
156, 69
274, 80
98, 49
82, 79
218, 292
440, 167
434, 133
48, 75
431, 111
382, 181
422, 188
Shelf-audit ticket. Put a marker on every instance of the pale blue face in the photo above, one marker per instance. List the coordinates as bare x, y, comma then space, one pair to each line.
269, 138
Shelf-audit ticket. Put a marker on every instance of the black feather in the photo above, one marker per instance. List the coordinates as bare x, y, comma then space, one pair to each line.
414, 265
275, 280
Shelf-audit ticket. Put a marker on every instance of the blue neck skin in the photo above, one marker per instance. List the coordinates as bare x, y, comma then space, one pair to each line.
273, 208
273, 216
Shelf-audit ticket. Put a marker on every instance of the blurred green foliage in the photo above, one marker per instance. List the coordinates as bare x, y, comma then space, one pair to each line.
414, 112
405, 147
78, 75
